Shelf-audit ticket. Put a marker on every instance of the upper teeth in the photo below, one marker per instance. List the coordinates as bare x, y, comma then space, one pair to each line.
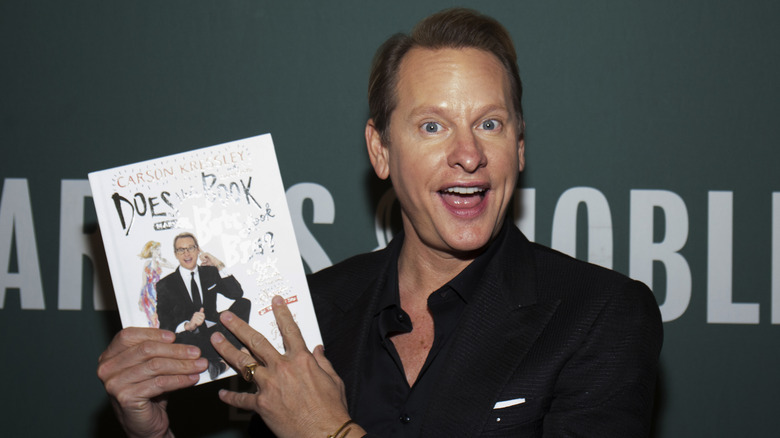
464, 190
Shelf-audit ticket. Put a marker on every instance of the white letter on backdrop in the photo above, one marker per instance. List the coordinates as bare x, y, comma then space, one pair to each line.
525, 212
720, 254
643, 250
16, 225
74, 245
564, 228
324, 213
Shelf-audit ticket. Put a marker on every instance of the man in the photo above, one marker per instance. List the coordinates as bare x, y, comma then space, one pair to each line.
460, 327
187, 300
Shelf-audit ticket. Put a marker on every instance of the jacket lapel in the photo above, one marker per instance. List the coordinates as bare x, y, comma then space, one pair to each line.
347, 353
184, 295
207, 294
494, 335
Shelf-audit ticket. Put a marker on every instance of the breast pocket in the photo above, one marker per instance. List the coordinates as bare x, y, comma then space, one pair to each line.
515, 417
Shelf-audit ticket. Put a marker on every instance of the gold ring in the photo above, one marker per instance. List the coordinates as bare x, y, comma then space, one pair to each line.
249, 371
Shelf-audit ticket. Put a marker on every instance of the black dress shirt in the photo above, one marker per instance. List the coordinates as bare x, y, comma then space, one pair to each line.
387, 405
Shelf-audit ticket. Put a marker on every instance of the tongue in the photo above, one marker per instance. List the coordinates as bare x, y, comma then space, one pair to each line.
461, 201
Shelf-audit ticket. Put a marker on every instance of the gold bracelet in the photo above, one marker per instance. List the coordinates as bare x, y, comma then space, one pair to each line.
338, 433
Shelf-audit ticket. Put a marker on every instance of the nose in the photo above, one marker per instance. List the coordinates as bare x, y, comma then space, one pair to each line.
466, 152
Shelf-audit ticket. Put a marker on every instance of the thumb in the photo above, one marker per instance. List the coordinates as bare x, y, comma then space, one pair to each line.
323, 362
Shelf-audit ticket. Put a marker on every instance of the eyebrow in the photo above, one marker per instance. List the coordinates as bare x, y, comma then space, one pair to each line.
436, 110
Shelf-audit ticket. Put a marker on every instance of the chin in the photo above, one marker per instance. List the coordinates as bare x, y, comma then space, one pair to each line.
470, 242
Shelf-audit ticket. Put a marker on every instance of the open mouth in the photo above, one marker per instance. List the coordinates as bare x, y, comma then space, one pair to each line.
465, 191
463, 198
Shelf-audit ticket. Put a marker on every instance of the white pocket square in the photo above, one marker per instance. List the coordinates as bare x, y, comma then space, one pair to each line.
508, 403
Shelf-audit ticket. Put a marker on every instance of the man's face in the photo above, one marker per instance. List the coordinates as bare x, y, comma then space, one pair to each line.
454, 154
186, 252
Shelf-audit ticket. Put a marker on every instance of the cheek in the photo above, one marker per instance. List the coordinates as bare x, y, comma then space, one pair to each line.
405, 166
415, 173
507, 162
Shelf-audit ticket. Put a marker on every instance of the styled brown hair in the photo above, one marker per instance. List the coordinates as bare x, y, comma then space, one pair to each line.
182, 236
456, 28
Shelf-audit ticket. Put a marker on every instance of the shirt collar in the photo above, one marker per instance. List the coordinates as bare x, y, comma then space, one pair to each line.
464, 284
186, 274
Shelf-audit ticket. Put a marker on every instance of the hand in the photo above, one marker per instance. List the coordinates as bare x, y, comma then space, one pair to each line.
299, 393
196, 320
138, 368
206, 259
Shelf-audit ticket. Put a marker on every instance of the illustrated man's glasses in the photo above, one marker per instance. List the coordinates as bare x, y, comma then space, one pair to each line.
187, 249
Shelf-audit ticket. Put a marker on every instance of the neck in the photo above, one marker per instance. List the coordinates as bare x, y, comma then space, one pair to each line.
422, 270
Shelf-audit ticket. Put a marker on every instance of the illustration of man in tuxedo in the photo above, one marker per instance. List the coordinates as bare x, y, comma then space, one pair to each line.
187, 300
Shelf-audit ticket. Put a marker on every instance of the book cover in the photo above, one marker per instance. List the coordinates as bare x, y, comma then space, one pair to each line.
193, 234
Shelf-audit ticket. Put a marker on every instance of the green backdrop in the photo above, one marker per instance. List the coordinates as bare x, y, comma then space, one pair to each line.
652, 147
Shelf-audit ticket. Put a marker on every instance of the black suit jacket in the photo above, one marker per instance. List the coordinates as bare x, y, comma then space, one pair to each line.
577, 342
174, 303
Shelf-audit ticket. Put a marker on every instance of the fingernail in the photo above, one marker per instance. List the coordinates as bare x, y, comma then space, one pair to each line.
227, 316
168, 336
217, 338
277, 300
193, 351
202, 363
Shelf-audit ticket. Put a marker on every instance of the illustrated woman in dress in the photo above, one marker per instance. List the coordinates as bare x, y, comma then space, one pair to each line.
151, 275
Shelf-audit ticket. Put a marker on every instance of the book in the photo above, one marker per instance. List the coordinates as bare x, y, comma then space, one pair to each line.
214, 220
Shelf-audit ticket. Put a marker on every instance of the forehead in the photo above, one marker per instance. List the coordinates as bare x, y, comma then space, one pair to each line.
448, 76
183, 242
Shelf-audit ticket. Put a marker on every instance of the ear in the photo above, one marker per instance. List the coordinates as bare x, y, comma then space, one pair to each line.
377, 151
521, 153
521, 147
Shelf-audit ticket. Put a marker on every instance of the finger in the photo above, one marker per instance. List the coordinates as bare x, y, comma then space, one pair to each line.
323, 362
156, 376
241, 400
141, 393
161, 367
236, 358
132, 336
150, 369
153, 356
130, 392
257, 344
291, 333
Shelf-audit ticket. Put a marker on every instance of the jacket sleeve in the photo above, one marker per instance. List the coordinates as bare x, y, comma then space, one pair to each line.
230, 287
166, 307
227, 286
606, 388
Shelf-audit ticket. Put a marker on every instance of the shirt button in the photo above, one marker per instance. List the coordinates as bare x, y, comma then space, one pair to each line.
400, 317
405, 418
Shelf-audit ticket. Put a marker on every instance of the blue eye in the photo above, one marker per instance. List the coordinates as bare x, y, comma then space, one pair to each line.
489, 125
431, 127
